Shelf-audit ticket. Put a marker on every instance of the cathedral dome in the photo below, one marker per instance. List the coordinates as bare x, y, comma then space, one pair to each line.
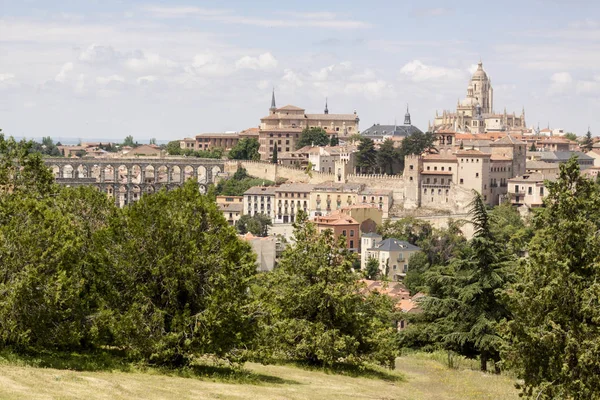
479, 74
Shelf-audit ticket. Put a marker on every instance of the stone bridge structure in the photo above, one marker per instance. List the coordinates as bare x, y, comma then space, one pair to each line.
126, 179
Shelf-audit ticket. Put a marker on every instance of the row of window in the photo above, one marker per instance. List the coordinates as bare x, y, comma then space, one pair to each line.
435, 168
292, 194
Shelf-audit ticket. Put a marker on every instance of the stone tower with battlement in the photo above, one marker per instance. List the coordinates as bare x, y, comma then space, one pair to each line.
413, 164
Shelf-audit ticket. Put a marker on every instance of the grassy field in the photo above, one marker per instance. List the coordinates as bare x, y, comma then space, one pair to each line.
417, 377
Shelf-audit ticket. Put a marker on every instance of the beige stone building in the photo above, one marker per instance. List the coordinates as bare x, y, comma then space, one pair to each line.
290, 198
430, 178
475, 113
528, 190
393, 255
232, 207
322, 158
283, 126
265, 249
260, 200
330, 196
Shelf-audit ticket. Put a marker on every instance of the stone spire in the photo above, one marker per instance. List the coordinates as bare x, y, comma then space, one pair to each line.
407, 117
273, 106
326, 109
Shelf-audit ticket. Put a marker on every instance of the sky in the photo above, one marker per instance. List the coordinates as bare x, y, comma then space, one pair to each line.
173, 69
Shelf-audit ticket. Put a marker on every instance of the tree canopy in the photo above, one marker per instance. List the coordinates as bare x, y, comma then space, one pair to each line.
317, 311
366, 156
258, 224
554, 337
312, 137
245, 149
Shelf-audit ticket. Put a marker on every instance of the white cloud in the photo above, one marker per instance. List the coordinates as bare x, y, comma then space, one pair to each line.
264, 61
335, 70
144, 80
416, 71
292, 78
64, 72
472, 68
98, 54
80, 84
150, 62
8, 80
105, 80
371, 90
561, 82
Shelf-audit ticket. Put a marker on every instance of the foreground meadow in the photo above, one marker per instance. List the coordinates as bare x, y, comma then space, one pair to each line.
417, 377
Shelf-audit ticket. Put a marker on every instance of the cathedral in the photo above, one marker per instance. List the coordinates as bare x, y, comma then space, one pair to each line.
475, 113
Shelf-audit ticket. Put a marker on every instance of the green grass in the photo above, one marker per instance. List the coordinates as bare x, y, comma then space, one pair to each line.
106, 376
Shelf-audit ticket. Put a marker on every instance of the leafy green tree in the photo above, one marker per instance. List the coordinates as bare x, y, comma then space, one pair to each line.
355, 137
128, 141
411, 229
554, 337
312, 137
23, 171
587, 143
417, 143
275, 151
464, 306
152, 141
316, 310
245, 149
511, 231
174, 148
258, 225
181, 278
372, 269
51, 287
239, 183
386, 157
571, 136
334, 141
366, 156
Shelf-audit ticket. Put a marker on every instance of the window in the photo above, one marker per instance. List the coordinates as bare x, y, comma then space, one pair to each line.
352, 244
411, 167
428, 168
461, 181
542, 191
410, 179
435, 168
442, 168
449, 168
351, 232
344, 232
530, 190
476, 174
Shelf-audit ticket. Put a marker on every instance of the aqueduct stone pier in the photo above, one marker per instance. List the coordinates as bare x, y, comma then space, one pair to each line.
126, 179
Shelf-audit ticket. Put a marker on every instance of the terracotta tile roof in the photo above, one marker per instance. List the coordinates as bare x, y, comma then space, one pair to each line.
339, 219
472, 153
290, 107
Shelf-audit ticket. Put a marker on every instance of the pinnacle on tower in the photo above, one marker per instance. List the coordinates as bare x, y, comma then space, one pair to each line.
407, 117
326, 109
273, 106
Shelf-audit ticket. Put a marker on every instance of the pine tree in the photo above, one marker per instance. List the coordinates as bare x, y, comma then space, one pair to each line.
275, 152
464, 308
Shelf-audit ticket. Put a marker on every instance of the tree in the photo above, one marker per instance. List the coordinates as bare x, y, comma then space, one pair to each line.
464, 306
532, 147
312, 137
258, 225
22, 170
245, 149
316, 310
372, 269
554, 337
51, 286
587, 143
152, 141
174, 148
386, 156
571, 136
239, 183
366, 155
128, 141
411, 229
417, 143
275, 151
182, 280
334, 141
355, 137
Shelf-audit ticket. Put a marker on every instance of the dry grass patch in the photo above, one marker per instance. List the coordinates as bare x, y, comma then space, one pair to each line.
416, 378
